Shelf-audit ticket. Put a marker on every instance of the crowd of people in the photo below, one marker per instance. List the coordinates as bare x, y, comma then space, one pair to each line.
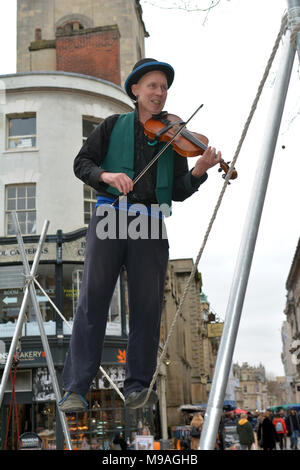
240, 430
260, 431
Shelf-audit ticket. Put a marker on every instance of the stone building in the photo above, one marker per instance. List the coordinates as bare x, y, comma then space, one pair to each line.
254, 391
251, 387
72, 57
193, 345
291, 331
56, 35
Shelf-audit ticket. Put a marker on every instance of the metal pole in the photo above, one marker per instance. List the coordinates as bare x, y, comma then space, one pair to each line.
294, 21
245, 255
20, 321
42, 332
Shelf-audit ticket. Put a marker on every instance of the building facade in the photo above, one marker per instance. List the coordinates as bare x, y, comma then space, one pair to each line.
52, 33
290, 331
72, 58
193, 345
251, 387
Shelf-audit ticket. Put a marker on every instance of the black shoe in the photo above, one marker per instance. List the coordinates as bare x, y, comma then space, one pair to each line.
136, 399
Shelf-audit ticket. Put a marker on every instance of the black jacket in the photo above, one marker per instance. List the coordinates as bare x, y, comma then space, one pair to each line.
292, 423
87, 165
267, 433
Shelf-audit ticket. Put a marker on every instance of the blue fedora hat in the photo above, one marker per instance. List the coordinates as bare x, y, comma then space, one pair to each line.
144, 66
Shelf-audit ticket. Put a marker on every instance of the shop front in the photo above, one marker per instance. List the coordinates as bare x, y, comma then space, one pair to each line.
60, 274
94, 429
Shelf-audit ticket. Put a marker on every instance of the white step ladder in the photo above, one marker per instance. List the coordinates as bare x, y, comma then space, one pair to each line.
30, 291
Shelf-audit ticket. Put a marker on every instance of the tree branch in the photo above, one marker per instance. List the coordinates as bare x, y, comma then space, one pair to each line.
187, 5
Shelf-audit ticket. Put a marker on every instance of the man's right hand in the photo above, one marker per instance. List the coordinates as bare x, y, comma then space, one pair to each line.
120, 181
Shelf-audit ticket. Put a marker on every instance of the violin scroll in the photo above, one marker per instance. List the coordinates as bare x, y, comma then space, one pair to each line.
224, 166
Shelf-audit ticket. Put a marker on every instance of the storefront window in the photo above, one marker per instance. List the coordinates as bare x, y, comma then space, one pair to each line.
44, 407
107, 416
11, 293
46, 278
45, 424
12, 283
72, 280
89, 202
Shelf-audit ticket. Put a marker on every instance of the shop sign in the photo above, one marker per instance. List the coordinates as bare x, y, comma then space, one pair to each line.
11, 253
144, 443
25, 356
121, 356
214, 330
74, 251
30, 441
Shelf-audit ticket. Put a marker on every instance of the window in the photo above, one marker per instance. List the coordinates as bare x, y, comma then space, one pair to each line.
21, 131
90, 198
69, 27
72, 281
21, 198
11, 298
88, 125
89, 194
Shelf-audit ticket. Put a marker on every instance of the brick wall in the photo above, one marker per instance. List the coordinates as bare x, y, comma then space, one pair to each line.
93, 51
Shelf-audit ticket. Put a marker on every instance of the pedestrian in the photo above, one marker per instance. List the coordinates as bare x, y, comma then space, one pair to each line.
228, 432
293, 428
245, 432
267, 435
282, 415
119, 442
112, 156
196, 428
280, 427
260, 418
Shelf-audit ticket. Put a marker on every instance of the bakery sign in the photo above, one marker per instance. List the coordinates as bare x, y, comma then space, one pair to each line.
24, 356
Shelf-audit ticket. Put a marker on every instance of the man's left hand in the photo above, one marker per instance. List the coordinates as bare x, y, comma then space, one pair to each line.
209, 159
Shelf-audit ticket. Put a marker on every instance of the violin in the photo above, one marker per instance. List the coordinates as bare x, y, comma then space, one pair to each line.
161, 128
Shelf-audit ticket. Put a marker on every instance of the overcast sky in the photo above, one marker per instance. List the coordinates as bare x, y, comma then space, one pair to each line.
219, 61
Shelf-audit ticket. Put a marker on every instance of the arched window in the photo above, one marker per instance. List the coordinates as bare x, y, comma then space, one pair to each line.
70, 27
72, 23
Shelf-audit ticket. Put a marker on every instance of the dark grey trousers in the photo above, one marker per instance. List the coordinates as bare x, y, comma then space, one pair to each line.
146, 263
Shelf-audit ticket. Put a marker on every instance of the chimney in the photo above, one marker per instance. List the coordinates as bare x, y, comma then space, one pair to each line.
38, 34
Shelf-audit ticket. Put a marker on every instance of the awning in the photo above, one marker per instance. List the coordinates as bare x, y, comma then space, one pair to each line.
228, 405
285, 407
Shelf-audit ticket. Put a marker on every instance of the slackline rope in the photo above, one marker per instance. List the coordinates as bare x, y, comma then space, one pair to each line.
282, 31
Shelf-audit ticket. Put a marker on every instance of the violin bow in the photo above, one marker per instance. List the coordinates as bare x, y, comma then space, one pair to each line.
156, 157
